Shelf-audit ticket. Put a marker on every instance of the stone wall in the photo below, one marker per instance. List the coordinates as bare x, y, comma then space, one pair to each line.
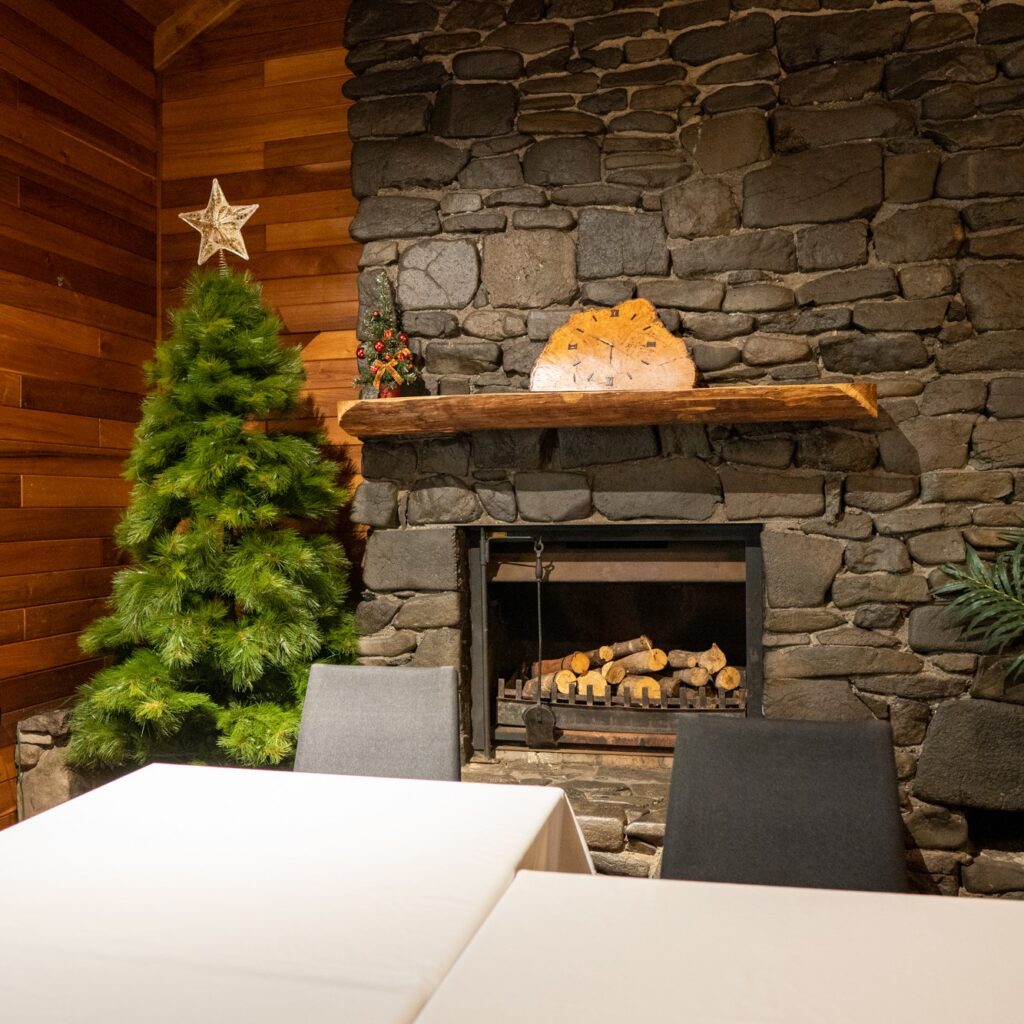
806, 191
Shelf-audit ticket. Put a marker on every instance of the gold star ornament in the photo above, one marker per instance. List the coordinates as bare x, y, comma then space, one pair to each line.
220, 225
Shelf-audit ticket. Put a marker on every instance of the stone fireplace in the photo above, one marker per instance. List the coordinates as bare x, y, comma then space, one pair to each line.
805, 195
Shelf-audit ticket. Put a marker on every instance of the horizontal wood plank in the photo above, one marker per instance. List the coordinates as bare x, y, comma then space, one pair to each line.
526, 410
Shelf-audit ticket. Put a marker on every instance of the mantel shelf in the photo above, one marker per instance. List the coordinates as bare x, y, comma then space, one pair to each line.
461, 414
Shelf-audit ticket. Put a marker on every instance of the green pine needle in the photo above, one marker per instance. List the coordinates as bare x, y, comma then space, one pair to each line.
214, 626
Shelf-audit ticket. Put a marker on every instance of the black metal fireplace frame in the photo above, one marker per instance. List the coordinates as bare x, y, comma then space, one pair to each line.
478, 545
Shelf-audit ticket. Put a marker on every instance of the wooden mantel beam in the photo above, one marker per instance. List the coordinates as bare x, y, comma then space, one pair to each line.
175, 32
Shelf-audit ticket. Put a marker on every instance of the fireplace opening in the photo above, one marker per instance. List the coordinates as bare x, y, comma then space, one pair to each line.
638, 625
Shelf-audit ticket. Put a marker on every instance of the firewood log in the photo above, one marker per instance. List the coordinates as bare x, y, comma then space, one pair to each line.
637, 684
653, 660
560, 680
669, 686
613, 672
712, 659
599, 655
682, 659
692, 676
728, 678
620, 650
595, 681
577, 663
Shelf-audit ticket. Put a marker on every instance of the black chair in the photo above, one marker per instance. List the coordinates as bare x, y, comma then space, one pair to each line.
391, 722
776, 802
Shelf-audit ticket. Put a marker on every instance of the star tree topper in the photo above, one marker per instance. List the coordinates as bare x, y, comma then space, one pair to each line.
220, 225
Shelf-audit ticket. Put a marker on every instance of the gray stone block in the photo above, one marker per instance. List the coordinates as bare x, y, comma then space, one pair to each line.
611, 243
880, 554
562, 162
438, 274
933, 628
822, 662
806, 187
831, 246
926, 443
673, 488
375, 504
386, 117
847, 285
879, 588
375, 613
854, 353
445, 455
400, 163
699, 208
759, 494
474, 111
935, 828
529, 269
498, 499
749, 250
552, 497
998, 444
428, 559
799, 569
812, 128
438, 648
728, 141
994, 872
388, 460
838, 83
465, 356
430, 611
442, 499
817, 700
746, 34
388, 644
971, 756
993, 680
491, 64
804, 41
588, 446
937, 548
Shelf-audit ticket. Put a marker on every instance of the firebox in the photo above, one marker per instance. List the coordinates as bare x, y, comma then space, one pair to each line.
602, 636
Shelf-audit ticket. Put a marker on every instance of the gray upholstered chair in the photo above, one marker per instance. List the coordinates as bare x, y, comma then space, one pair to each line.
811, 804
391, 722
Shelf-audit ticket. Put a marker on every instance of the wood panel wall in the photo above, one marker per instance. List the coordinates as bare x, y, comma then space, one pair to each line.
256, 102
98, 155
78, 299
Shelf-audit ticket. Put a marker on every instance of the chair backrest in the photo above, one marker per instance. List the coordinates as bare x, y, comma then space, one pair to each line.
778, 802
391, 722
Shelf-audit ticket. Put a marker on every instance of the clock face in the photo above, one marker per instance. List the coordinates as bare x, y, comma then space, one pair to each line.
625, 348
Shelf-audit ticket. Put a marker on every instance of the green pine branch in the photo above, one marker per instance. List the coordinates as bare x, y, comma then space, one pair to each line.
232, 593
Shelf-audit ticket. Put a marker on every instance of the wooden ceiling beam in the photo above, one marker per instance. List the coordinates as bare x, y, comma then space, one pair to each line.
154, 11
175, 32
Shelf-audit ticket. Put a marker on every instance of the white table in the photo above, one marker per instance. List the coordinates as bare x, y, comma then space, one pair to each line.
610, 950
211, 894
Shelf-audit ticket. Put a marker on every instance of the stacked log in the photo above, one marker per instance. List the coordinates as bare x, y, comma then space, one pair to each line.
636, 665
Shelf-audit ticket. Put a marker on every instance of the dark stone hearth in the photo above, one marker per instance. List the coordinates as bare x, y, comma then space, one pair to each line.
611, 243
675, 488
811, 190
821, 40
562, 162
839, 183
971, 756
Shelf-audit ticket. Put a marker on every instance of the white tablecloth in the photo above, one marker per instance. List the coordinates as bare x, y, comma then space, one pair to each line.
562, 948
211, 894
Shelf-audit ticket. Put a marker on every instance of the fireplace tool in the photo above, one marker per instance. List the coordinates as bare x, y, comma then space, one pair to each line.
539, 719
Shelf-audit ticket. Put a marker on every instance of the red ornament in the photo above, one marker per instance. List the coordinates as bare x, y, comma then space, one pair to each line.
388, 334
360, 352
403, 337
376, 314
378, 346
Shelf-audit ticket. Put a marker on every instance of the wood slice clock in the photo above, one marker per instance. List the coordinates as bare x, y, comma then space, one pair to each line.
626, 348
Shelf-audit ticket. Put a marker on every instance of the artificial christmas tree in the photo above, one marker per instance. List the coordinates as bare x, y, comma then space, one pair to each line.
233, 592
